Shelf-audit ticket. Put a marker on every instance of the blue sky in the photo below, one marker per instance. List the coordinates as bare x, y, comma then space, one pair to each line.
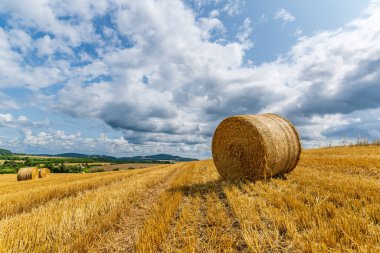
124, 78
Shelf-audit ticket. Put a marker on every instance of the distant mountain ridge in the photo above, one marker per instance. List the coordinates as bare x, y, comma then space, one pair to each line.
5, 152
150, 158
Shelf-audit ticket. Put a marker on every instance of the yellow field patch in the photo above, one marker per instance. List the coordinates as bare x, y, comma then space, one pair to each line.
89, 164
124, 166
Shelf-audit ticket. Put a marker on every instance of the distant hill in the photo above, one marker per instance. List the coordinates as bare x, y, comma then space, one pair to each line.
159, 157
5, 152
151, 158
73, 155
104, 158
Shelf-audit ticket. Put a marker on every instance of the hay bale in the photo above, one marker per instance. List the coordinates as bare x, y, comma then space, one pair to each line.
43, 172
27, 173
252, 147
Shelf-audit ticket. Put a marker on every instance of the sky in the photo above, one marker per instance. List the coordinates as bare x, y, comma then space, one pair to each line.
123, 77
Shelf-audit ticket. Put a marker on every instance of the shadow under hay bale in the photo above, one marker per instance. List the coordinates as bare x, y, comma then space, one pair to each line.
27, 173
44, 172
252, 147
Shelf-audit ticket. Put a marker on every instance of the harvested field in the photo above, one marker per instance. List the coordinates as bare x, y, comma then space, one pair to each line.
89, 164
328, 203
37, 156
124, 166
13, 161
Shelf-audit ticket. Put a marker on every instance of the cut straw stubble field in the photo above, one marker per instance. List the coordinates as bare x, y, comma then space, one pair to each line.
67, 230
312, 211
327, 204
10, 185
22, 201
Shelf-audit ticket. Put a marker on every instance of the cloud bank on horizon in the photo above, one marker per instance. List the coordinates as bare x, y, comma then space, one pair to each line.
139, 77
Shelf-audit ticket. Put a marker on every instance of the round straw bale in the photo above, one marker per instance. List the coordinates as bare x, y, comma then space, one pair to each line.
27, 173
251, 147
43, 172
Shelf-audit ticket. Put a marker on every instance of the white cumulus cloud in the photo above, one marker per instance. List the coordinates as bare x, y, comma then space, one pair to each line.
284, 15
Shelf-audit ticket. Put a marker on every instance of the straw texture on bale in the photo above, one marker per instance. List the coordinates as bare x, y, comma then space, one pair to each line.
252, 147
27, 173
43, 172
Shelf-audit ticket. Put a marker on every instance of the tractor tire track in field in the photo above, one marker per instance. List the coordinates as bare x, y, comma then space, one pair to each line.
219, 224
197, 227
181, 237
240, 244
222, 230
203, 222
185, 202
186, 225
126, 232
153, 235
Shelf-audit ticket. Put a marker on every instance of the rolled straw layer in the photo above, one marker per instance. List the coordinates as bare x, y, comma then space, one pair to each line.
43, 172
252, 147
27, 173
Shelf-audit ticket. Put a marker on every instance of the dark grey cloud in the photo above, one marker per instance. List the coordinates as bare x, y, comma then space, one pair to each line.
144, 137
131, 116
351, 132
358, 89
361, 124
